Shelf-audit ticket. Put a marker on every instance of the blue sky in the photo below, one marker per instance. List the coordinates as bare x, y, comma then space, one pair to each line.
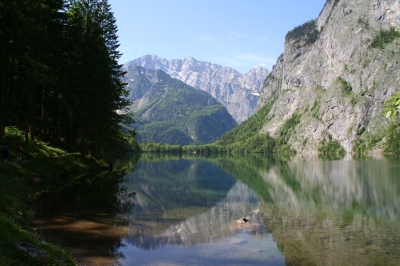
236, 33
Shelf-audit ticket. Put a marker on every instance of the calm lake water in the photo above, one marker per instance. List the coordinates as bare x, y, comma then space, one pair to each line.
185, 212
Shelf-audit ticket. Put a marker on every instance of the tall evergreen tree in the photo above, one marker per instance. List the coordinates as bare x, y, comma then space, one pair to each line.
59, 72
97, 76
26, 32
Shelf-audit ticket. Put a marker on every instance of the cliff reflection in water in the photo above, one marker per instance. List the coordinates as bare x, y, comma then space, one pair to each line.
313, 212
329, 212
188, 202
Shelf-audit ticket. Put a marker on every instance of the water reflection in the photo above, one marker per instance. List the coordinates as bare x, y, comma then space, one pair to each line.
342, 212
83, 214
192, 203
331, 212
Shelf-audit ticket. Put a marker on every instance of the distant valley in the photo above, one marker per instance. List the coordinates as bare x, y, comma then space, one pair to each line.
237, 92
169, 111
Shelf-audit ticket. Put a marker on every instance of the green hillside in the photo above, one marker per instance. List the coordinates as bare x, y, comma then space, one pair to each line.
170, 111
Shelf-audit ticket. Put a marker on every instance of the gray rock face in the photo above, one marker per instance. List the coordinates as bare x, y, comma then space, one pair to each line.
237, 92
311, 79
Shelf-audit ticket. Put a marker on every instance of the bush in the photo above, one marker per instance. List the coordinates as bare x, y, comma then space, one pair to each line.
385, 37
331, 149
392, 146
344, 85
288, 128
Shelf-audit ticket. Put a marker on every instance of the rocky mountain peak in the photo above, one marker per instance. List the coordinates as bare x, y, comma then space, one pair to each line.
237, 92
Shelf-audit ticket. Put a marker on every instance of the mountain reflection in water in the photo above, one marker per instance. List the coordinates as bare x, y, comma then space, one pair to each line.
185, 212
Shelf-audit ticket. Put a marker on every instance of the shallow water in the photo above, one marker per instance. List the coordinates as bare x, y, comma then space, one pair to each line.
185, 211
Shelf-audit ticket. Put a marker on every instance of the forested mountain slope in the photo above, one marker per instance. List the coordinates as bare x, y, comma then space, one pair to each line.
236, 91
334, 77
170, 111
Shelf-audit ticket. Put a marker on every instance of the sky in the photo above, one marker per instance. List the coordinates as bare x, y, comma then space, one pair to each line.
240, 34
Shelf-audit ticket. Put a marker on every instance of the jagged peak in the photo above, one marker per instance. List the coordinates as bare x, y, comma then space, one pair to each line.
258, 69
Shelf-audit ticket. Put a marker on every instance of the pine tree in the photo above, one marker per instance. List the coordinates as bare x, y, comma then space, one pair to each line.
97, 89
29, 30
59, 72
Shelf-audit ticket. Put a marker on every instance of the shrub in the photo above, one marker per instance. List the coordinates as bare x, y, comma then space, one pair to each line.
331, 149
392, 146
344, 85
384, 37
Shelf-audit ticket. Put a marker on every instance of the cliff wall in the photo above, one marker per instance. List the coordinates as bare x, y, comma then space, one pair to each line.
337, 74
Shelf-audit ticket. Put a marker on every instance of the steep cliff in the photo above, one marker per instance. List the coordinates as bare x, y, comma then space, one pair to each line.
170, 111
237, 92
336, 73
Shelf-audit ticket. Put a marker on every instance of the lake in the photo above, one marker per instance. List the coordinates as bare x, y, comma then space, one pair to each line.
166, 210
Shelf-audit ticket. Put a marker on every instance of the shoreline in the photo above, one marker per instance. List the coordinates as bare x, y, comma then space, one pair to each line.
20, 186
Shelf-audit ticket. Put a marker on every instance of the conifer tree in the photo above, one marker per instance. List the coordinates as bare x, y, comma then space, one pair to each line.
97, 88
59, 72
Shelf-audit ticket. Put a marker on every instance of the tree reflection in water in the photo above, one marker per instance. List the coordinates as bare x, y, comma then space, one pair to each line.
342, 212
87, 213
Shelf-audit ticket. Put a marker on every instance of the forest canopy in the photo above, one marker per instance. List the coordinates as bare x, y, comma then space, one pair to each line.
59, 73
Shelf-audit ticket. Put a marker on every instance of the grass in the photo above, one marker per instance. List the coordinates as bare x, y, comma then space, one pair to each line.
17, 194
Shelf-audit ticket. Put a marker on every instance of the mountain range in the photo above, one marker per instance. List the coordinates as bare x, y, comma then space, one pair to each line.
169, 111
237, 92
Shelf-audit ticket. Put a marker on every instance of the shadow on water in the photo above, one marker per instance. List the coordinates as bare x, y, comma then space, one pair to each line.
85, 209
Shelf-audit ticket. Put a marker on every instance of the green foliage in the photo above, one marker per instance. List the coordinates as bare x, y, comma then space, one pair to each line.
17, 194
391, 109
331, 149
247, 139
392, 106
280, 58
363, 23
344, 85
367, 142
132, 145
315, 109
287, 129
384, 37
392, 145
360, 131
260, 143
244, 139
60, 73
155, 147
248, 129
308, 32
175, 113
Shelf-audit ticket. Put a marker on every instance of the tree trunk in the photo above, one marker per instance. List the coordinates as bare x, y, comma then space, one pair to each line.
3, 88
